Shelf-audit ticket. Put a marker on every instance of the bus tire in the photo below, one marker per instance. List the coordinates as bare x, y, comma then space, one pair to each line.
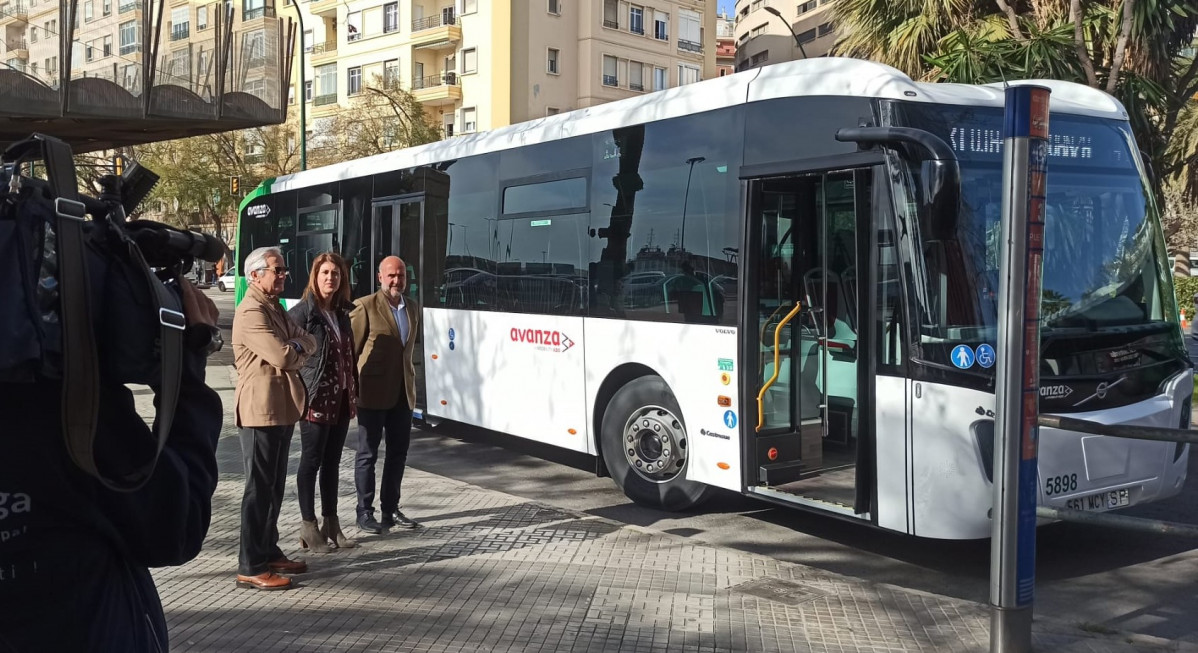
645, 446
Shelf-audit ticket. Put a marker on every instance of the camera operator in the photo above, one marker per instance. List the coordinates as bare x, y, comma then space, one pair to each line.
74, 555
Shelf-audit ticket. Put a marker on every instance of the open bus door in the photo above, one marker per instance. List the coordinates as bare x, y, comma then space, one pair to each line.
808, 328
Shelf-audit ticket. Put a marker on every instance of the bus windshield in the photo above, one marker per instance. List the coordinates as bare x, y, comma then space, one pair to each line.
1106, 297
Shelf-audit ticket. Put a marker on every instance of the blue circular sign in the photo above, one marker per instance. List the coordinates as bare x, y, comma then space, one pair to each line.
962, 356
452, 335
730, 419
985, 355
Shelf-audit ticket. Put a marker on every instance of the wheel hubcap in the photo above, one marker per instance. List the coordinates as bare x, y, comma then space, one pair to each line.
655, 444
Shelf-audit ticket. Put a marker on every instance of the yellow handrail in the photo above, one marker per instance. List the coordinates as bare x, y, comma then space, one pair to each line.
777, 357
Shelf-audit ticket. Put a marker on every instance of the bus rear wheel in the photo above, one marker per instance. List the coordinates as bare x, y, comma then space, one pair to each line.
645, 446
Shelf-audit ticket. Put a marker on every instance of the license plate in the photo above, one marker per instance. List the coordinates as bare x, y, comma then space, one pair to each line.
1102, 501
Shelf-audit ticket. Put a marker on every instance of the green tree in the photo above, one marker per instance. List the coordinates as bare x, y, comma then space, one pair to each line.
382, 118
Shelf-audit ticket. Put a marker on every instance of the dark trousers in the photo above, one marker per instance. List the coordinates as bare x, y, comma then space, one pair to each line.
264, 453
320, 450
397, 423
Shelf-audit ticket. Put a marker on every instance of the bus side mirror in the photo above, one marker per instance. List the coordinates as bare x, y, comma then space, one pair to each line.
940, 173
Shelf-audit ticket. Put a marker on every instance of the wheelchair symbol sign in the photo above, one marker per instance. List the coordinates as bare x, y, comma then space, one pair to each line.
985, 355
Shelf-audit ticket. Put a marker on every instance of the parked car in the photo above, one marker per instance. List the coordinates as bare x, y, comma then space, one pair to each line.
227, 281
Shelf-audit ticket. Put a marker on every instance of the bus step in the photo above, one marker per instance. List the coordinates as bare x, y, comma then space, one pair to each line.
782, 473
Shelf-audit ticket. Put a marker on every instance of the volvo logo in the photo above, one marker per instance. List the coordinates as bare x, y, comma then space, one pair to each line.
1101, 391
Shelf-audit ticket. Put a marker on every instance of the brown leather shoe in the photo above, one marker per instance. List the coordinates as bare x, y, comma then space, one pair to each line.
286, 566
264, 581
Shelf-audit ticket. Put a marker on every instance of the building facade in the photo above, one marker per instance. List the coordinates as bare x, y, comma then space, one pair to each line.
477, 65
763, 38
725, 45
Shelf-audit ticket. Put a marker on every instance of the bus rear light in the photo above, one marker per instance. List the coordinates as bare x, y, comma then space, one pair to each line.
571, 431
444, 403
772, 454
723, 465
434, 357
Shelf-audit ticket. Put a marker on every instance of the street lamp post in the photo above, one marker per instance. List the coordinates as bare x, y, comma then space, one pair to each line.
787, 24
303, 91
686, 196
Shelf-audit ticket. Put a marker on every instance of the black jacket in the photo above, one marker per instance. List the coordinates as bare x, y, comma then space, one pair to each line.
74, 556
307, 316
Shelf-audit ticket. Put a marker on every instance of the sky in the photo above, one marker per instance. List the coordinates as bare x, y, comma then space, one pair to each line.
726, 7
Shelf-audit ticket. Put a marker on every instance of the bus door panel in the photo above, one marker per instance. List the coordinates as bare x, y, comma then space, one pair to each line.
396, 231
809, 362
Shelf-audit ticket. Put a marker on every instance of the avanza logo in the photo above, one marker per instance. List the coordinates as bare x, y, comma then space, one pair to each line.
545, 340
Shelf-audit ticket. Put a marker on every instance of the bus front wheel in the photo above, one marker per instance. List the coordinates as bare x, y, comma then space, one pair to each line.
645, 446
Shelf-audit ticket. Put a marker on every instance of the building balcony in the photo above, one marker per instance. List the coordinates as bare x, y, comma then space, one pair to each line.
257, 13
16, 48
14, 11
323, 7
322, 100
126, 6
436, 90
323, 53
690, 46
435, 32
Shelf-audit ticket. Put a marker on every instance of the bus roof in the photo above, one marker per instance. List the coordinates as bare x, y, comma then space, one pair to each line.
823, 76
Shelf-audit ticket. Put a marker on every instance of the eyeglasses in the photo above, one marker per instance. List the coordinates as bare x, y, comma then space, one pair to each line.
280, 271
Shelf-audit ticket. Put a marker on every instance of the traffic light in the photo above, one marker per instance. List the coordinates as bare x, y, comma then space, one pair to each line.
235, 185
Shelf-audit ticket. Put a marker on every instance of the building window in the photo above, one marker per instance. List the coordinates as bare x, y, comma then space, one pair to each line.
661, 22
688, 74
611, 14
759, 58
469, 60
553, 55
354, 79
33, 34
469, 122
391, 72
552, 111
807, 6
89, 10
128, 31
180, 23
90, 52
326, 90
807, 36
308, 40
636, 76
468, 7
636, 20
825, 29
660, 83
201, 18
690, 33
555, 7
307, 91
107, 7
108, 46
609, 71
390, 17
353, 26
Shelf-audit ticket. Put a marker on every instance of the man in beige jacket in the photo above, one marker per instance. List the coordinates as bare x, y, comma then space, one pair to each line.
268, 350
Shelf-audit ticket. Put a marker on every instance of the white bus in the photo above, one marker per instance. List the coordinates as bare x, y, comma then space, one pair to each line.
758, 283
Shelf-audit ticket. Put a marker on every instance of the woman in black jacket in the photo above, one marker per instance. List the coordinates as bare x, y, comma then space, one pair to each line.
331, 378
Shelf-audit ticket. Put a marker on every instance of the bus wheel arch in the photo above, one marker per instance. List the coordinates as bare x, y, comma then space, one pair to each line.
643, 442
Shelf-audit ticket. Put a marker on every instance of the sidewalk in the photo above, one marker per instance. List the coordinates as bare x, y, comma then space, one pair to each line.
494, 572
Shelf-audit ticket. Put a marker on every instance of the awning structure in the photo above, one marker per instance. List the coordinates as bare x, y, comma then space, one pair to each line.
142, 75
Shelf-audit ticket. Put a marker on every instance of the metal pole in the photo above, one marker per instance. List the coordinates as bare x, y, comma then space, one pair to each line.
686, 196
303, 91
789, 27
1013, 517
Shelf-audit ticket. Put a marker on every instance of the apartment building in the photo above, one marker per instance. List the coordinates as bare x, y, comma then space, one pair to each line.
763, 38
480, 64
725, 45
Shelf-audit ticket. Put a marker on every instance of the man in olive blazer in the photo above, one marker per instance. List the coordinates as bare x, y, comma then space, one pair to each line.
268, 352
385, 326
